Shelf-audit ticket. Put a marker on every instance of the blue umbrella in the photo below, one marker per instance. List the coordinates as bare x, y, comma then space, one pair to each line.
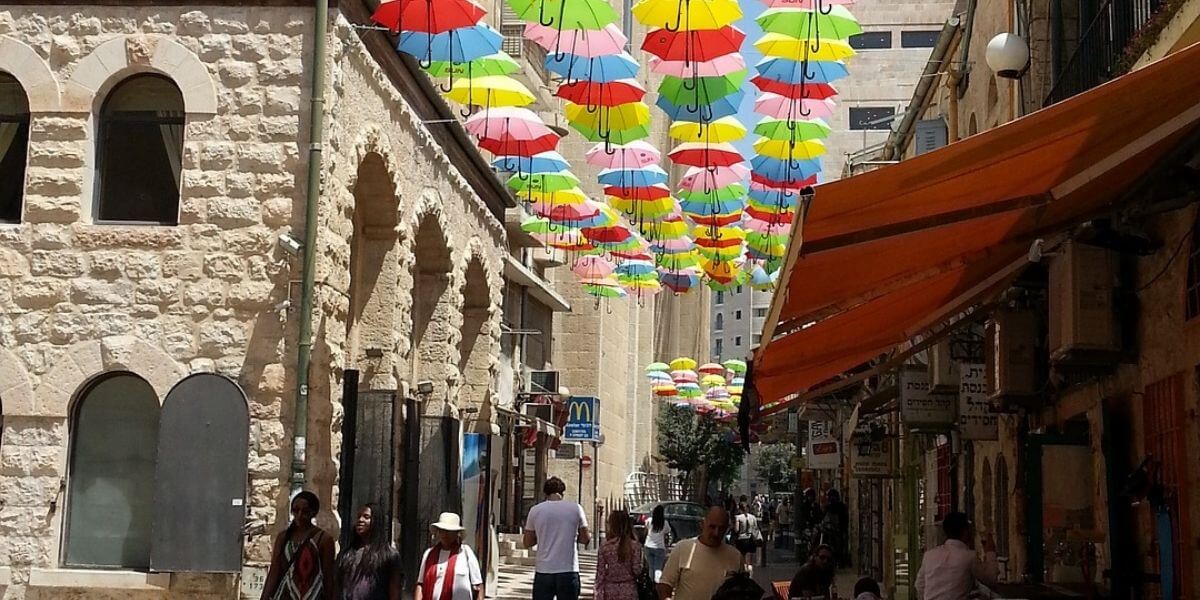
705, 113
707, 208
775, 198
598, 69
456, 45
631, 178
546, 162
635, 268
786, 171
680, 281
793, 71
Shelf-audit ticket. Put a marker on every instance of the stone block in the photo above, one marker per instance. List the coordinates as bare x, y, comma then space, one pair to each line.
203, 294
40, 292
47, 236
239, 185
249, 47
205, 237
204, 184
59, 128
13, 264
218, 337
91, 291
25, 461
235, 74
215, 155
51, 209
106, 264
227, 267
250, 295
156, 291
233, 212
188, 266
56, 264
88, 237
287, 71
277, 212
56, 155
68, 327
142, 265
282, 102
34, 431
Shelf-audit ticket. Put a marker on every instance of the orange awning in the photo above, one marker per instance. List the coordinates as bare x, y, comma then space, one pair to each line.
884, 250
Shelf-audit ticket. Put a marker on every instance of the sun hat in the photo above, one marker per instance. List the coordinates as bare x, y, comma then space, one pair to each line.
448, 521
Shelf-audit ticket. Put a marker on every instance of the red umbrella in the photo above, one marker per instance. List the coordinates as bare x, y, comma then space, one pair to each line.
608, 235
590, 93
694, 46
716, 220
633, 255
809, 90
799, 185
418, 15
638, 193
706, 155
784, 216
506, 145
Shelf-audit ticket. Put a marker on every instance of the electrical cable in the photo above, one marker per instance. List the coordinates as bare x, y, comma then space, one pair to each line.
1183, 238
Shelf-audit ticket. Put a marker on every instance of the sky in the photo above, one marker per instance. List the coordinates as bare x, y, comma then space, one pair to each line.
747, 116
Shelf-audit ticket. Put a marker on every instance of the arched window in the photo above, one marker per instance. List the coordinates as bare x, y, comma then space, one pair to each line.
110, 494
14, 142
138, 152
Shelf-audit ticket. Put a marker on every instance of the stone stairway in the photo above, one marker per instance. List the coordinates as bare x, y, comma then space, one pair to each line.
512, 553
517, 566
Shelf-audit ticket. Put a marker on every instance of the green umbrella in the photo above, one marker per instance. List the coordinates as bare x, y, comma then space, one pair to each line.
688, 91
781, 130
658, 366
733, 191
566, 14
492, 64
544, 182
839, 24
604, 291
737, 366
612, 136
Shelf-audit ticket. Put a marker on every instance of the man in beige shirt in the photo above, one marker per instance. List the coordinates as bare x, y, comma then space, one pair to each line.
698, 566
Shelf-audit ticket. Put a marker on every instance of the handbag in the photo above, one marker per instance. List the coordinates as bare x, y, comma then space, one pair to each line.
644, 582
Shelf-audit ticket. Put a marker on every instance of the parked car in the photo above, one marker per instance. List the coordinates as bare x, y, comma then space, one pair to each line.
683, 519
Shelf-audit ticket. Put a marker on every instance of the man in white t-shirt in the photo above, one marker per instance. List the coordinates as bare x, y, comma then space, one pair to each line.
555, 526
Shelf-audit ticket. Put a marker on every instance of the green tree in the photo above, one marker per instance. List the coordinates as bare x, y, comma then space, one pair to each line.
698, 446
774, 465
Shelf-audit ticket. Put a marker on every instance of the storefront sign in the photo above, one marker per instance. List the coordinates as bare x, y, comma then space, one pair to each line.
976, 421
823, 453
583, 419
918, 408
870, 458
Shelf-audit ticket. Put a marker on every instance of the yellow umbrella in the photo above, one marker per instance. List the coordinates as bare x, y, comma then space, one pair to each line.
712, 380
726, 129
568, 196
621, 116
784, 46
664, 230
785, 150
687, 15
492, 90
683, 364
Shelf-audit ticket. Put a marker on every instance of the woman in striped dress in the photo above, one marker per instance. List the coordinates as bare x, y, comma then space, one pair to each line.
302, 557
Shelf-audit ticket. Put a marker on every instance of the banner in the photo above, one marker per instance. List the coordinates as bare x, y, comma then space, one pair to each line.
918, 408
823, 453
475, 491
976, 421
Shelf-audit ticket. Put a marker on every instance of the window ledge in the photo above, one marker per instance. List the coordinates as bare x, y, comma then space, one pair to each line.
5, 576
93, 579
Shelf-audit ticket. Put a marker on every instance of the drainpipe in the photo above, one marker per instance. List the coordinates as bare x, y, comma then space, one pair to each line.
952, 78
305, 342
925, 86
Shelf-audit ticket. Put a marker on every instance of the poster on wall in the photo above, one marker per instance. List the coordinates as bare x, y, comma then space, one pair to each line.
475, 476
976, 421
823, 453
920, 409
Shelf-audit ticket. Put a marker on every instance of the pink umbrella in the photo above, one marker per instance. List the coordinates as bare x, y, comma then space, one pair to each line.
700, 178
682, 244
564, 212
515, 122
779, 107
804, 4
721, 65
593, 267
759, 186
684, 376
585, 43
633, 155
767, 227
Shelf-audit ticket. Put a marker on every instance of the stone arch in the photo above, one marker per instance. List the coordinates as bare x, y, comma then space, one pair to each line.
374, 273
476, 364
126, 55
23, 62
16, 392
973, 125
433, 318
84, 361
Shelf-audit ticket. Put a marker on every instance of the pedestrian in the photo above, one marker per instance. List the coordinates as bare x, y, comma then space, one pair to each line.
555, 526
657, 542
746, 535
619, 560
698, 566
785, 523
368, 568
951, 571
815, 577
867, 589
449, 569
302, 556
835, 526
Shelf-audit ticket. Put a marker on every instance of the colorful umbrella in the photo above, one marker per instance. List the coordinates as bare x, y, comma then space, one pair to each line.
781, 130
795, 91
837, 23
712, 369
593, 94
418, 15
821, 5
785, 170
779, 107
623, 116
548, 182
796, 71
658, 367
706, 155
492, 64
593, 267
630, 178
633, 154
736, 366
679, 281
721, 65
726, 129
695, 45
707, 178
507, 121
786, 46
456, 45
785, 150
687, 14
584, 42
491, 91
723, 107
543, 162
561, 14
700, 90
598, 69
683, 364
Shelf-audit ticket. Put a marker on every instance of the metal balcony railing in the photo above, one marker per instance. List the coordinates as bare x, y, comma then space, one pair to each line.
1100, 55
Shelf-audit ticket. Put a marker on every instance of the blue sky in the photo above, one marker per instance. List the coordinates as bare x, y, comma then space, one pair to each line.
749, 118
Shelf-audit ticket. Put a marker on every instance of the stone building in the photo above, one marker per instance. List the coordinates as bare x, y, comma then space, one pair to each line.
153, 155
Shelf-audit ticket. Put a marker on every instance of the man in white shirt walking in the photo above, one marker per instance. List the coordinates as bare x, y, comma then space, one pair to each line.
555, 526
950, 571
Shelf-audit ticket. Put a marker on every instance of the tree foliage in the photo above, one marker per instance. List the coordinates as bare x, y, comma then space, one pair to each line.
697, 444
774, 465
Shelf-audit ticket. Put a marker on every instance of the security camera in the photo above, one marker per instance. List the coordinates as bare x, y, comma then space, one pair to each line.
425, 388
290, 244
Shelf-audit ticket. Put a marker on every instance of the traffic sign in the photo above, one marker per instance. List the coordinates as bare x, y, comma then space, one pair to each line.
583, 419
585, 461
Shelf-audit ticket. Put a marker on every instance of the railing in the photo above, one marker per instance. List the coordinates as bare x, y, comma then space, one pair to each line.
1101, 53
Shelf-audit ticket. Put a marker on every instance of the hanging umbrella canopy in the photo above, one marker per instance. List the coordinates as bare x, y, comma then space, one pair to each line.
455, 45
693, 45
593, 267
547, 182
566, 14
565, 213
665, 391
796, 71
670, 229
604, 289
683, 363
640, 177
418, 15
611, 135
620, 156
704, 112
832, 22
706, 155
646, 212
723, 271
712, 380
791, 187
491, 91
676, 262
679, 281
725, 129
728, 193
786, 46
721, 65
701, 90
499, 63
735, 366
543, 162
658, 367
790, 150
687, 14
599, 69
796, 91
508, 145
696, 209
656, 191
785, 170
620, 117
723, 238
712, 369
592, 94
717, 220
699, 179
511, 121
822, 5
781, 130
583, 42
760, 279
779, 107
780, 228
637, 268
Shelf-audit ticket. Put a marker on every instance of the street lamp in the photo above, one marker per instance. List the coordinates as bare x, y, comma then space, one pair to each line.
1008, 55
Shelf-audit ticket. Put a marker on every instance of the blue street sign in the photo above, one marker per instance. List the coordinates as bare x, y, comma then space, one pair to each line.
583, 419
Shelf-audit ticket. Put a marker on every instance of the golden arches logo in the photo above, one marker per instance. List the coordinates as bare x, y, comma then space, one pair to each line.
581, 411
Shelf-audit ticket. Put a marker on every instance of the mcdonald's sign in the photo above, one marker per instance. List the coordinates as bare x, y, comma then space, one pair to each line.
583, 419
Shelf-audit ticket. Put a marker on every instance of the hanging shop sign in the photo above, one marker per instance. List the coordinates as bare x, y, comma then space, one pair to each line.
583, 419
823, 453
920, 409
870, 458
976, 421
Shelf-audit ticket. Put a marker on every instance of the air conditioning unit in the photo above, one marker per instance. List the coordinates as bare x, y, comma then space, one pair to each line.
1011, 354
544, 412
543, 382
943, 370
1083, 323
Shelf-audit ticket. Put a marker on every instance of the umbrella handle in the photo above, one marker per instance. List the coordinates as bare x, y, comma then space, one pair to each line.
825, 9
804, 111
542, 16
678, 17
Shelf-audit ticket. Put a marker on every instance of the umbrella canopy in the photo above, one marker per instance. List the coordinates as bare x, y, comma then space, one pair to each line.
785, 170
704, 112
687, 14
725, 129
694, 45
712, 380
700, 90
731, 192
702, 178
456, 45
611, 135
564, 14
593, 267
706, 155
796, 71
821, 5
604, 289
630, 155
418, 15
491, 91
679, 281
736, 366
584, 42
795, 91
785, 150
712, 369
832, 22
781, 130
721, 65
623, 116
658, 367
600, 69
683, 364
508, 145
786, 46
629, 178
514, 122
542, 162
779, 107
492, 64
546, 182
592, 94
